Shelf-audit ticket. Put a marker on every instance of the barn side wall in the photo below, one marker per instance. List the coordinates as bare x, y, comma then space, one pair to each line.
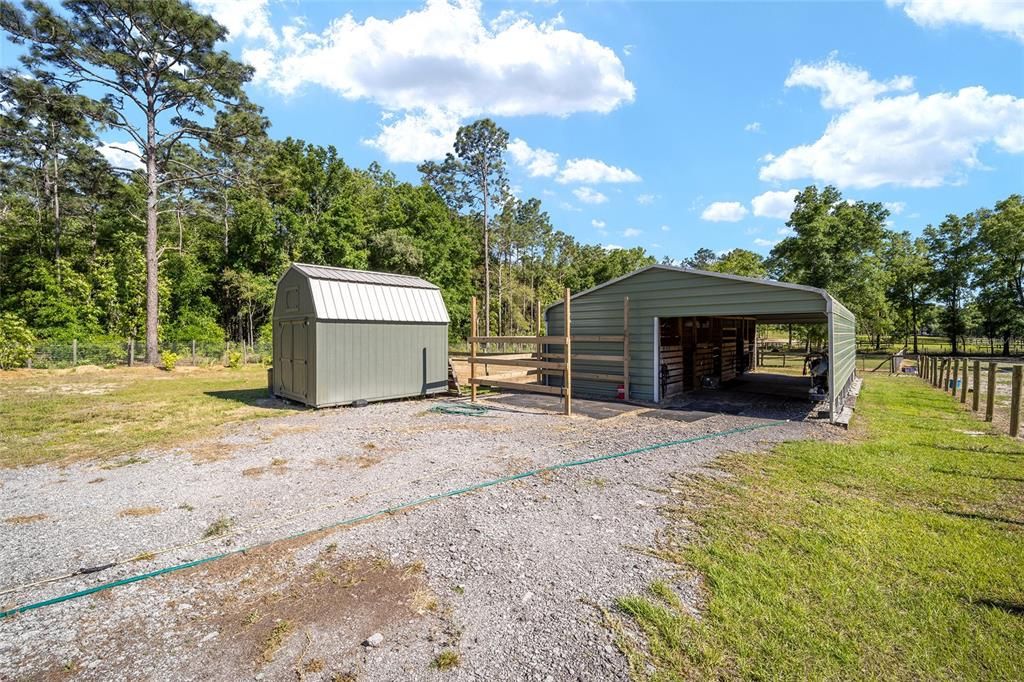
379, 361
665, 293
843, 355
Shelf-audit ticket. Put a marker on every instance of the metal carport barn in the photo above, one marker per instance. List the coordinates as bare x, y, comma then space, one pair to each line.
695, 302
345, 335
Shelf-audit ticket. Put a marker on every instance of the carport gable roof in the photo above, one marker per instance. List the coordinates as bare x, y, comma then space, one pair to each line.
752, 311
345, 295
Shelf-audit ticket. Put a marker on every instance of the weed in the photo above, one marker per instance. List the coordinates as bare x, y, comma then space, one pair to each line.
219, 527
186, 507
139, 511
314, 665
275, 639
127, 461
145, 556
31, 518
252, 618
459, 589
446, 660
278, 462
254, 471
98, 479
423, 600
597, 482
370, 446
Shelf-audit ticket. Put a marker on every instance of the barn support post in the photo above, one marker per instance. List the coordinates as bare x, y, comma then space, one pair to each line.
625, 348
193, 352
472, 349
990, 392
567, 383
74, 352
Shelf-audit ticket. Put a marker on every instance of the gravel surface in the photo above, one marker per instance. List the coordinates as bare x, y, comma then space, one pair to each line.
514, 577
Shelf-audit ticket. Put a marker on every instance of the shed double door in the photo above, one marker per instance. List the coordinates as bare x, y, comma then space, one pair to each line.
292, 361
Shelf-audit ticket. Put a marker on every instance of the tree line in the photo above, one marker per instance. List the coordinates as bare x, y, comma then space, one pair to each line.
183, 236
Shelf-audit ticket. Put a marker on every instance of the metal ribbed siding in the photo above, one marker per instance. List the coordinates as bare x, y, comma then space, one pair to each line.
362, 302
665, 291
364, 276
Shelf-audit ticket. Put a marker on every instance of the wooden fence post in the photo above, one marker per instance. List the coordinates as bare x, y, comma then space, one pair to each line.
131, 352
990, 392
472, 349
74, 352
625, 348
963, 387
976, 396
1015, 388
936, 372
193, 352
567, 383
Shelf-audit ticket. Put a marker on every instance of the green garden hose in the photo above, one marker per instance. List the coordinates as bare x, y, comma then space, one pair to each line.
462, 409
389, 510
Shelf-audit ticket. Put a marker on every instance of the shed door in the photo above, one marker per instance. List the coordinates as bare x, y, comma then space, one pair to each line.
293, 360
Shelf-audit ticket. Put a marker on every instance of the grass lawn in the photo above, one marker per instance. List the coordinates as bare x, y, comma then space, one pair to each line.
899, 555
64, 415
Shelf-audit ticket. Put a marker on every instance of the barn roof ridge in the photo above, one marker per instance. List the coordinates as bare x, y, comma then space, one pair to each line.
327, 272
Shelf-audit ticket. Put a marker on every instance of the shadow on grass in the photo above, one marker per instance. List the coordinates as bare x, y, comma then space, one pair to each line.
974, 516
256, 397
976, 450
990, 477
1013, 608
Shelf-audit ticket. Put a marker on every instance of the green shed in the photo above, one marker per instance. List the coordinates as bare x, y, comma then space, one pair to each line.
343, 335
687, 324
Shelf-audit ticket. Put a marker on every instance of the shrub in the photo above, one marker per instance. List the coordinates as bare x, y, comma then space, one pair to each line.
235, 359
169, 359
16, 341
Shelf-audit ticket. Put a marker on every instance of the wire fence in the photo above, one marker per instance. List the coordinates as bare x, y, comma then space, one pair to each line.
127, 353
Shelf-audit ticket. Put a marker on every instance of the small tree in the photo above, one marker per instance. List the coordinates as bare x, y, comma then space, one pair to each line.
16, 341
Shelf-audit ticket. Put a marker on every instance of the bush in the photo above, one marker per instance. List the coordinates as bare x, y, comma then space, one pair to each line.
16, 341
235, 359
169, 359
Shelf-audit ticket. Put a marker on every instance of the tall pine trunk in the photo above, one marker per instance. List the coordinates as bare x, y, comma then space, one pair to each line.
487, 263
152, 292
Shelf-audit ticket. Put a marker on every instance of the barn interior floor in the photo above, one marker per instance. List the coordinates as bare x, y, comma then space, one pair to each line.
756, 394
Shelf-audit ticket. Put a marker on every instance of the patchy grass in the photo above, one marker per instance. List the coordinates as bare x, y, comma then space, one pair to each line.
895, 556
219, 527
138, 511
446, 660
275, 639
30, 518
63, 415
278, 462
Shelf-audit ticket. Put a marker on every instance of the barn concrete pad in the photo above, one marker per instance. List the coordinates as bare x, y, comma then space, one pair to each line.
595, 409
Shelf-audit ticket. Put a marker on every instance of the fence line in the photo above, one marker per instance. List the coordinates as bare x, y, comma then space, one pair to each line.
953, 374
126, 353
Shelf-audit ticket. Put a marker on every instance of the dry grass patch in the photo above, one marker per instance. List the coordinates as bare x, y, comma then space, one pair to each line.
254, 471
31, 518
139, 511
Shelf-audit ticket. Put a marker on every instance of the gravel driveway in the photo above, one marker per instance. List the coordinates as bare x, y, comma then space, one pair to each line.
507, 582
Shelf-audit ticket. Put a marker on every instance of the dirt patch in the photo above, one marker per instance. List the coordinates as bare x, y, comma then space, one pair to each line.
32, 518
361, 461
139, 511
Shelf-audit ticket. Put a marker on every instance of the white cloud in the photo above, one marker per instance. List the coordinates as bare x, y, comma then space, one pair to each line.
592, 171
895, 207
121, 155
627, 50
645, 199
753, 127
665, 228
599, 224
589, 196
443, 58
249, 19
724, 212
428, 134
993, 15
612, 247
785, 232
537, 162
566, 206
631, 232
906, 140
843, 85
774, 204
765, 242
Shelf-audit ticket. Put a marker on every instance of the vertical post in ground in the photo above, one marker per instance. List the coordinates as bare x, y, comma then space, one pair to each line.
625, 348
945, 375
963, 386
193, 352
976, 396
74, 352
567, 383
990, 392
472, 349
935, 372
131, 352
539, 348
1015, 388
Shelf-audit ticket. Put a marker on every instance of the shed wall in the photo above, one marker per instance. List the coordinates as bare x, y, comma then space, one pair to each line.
379, 361
843, 352
666, 293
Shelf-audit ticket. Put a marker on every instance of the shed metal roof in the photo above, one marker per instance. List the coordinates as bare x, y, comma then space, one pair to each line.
363, 296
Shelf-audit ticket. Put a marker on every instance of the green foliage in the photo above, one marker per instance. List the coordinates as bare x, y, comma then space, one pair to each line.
740, 262
169, 360
16, 341
234, 359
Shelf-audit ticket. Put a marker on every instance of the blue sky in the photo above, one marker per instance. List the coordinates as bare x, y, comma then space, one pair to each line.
670, 126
